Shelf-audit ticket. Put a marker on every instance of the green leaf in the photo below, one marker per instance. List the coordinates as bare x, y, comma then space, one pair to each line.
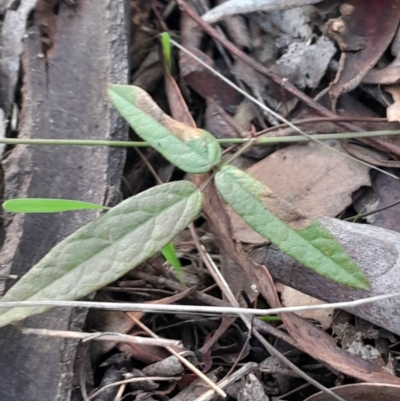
43, 205
170, 256
166, 47
191, 149
107, 248
304, 239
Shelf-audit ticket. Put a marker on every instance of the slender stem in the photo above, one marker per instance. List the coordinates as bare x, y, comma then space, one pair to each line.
258, 141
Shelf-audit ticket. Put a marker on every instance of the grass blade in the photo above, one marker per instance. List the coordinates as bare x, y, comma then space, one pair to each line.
43, 205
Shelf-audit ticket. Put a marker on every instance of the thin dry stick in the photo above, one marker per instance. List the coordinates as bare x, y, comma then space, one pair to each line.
122, 338
149, 166
182, 359
120, 392
276, 115
322, 119
196, 309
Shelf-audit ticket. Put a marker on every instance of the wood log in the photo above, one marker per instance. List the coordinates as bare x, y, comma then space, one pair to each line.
64, 96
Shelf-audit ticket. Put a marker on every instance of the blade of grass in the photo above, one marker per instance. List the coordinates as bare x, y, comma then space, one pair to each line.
170, 256
166, 47
48, 205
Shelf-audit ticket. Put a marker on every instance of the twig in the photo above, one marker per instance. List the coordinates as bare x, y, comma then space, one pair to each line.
323, 119
211, 310
122, 338
361, 216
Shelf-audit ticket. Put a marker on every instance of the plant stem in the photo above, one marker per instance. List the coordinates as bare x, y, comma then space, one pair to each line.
258, 141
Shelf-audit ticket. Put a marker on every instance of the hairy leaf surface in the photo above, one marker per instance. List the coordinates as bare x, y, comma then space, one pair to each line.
303, 238
107, 248
191, 149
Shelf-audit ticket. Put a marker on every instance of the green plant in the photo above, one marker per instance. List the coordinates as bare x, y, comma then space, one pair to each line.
128, 234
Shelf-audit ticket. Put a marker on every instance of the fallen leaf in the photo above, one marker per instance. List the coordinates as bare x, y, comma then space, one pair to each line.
391, 73
361, 391
304, 64
204, 82
318, 344
360, 337
291, 297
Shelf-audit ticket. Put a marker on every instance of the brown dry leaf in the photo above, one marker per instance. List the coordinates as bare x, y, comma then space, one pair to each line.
237, 30
291, 297
393, 111
204, 82
362, 391
390, 74
363, 32
177, 104
311, 177
147, 354
190, 33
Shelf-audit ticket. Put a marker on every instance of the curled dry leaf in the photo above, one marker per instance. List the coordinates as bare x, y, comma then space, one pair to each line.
363, 33
390, 74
